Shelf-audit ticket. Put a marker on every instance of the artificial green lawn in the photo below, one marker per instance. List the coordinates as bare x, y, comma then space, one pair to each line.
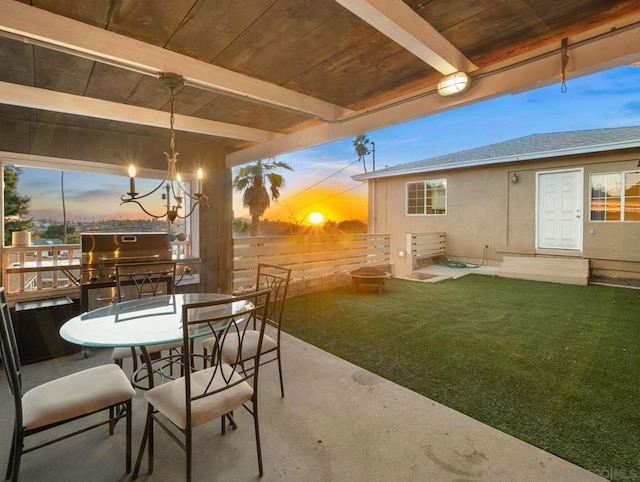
557, 366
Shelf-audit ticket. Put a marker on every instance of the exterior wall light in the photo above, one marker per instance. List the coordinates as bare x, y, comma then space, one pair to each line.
515, 177
452, 84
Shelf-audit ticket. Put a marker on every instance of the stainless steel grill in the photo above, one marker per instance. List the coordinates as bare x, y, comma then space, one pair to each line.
102, 252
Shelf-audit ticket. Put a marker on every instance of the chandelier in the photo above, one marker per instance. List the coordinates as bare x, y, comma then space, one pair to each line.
176, 191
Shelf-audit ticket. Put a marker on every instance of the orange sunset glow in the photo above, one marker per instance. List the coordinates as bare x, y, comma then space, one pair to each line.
333, 204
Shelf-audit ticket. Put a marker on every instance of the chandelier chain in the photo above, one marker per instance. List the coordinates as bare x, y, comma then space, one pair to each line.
172, 139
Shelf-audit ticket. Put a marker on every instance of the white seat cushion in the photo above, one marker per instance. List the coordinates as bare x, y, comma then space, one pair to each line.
74, 395
121, 352
169, 398
249, 346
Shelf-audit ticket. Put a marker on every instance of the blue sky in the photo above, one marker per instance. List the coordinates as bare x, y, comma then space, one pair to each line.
605, 99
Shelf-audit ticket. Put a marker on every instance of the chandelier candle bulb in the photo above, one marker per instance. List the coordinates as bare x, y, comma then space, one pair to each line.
132, 180
199, 176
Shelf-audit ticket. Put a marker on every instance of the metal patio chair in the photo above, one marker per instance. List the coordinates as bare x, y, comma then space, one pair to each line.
142, 280
63, 400
212, 392
277, 279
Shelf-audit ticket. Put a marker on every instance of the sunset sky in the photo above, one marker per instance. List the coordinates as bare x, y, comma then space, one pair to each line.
321, 181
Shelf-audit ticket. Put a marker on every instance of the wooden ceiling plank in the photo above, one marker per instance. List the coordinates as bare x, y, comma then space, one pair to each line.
276, 30
604, 53
504, 31
441, 15
25, 96
16, 112
55, 118
60, 72
95, 43
400, 23
93, 13
16, 59
216, 26
154, 22
345, 71
110, 83
323, 42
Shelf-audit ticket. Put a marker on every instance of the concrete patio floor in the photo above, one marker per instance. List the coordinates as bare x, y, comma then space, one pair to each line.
337, 423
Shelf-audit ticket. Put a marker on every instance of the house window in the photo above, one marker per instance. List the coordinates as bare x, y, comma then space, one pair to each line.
615, 196
427, 197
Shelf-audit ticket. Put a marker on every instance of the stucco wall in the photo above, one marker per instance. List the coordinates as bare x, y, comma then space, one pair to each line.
485, 208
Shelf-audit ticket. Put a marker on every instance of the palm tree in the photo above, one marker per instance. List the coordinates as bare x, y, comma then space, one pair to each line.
361, 146
251, 181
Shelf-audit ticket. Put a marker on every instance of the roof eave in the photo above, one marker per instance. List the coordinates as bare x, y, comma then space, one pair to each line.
611, 146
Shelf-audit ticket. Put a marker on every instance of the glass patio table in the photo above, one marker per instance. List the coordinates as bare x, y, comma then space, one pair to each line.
141, 323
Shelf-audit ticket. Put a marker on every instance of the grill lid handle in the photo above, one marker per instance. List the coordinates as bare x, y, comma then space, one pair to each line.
128, 258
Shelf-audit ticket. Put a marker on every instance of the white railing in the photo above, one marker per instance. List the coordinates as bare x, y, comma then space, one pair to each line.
42, 271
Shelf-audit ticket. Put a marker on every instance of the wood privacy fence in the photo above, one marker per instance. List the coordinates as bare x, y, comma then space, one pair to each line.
423, 247
317, 262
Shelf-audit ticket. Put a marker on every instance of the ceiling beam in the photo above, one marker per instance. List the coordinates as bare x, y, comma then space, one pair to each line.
400, 23
616, 48
32, 97
77, 38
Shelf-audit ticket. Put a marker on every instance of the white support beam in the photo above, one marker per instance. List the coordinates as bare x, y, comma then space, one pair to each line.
617, 48
69, 35
32, 97
400, 23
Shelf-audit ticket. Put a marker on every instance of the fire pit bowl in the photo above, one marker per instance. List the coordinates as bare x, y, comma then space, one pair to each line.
369, 279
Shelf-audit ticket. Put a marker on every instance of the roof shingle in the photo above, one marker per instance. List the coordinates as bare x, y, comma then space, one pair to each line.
528, 147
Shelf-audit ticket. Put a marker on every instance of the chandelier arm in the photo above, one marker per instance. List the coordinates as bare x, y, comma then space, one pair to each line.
193, 197
203, 199
142, 196
143, 208
193, 207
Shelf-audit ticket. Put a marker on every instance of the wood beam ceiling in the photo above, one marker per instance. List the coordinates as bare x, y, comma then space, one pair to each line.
400, 23
25, 96
604, 47
77, 38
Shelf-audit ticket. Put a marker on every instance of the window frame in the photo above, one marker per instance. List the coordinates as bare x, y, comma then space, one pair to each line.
425, 183
622, 176
61, 164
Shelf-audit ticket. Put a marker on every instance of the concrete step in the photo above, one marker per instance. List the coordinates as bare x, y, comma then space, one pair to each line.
550, 269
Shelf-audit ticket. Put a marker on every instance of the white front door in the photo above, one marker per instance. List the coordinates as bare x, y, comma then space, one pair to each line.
559, 210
